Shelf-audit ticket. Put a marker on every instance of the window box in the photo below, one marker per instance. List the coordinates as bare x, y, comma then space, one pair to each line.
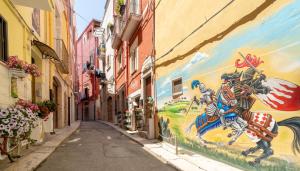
17, 72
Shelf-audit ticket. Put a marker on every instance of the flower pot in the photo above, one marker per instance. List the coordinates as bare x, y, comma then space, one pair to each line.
48, 123
17, 72
38, 132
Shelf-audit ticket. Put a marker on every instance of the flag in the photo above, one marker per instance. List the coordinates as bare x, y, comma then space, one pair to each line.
284, 95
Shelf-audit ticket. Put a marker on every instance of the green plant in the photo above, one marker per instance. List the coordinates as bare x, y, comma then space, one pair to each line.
46, 107
14, 94
118, 7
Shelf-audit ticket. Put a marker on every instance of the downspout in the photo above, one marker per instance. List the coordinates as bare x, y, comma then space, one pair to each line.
154, 69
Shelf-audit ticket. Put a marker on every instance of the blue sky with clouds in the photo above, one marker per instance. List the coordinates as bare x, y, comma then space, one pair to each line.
88, 9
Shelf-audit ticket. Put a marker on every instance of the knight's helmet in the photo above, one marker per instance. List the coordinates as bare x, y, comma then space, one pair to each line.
197, 83
248, 74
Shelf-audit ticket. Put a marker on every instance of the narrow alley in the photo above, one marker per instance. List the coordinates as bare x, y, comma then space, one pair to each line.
100, 147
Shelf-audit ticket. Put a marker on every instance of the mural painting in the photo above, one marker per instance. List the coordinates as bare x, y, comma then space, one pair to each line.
240, 100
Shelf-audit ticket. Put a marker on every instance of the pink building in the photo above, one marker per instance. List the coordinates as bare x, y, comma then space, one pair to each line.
87, 63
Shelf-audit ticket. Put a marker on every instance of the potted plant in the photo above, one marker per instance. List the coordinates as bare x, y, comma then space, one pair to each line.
110, 26
120, 8
32, 69
15, 66
16, 124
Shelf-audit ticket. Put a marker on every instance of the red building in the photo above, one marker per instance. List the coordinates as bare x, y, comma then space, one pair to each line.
87, 62
134, 56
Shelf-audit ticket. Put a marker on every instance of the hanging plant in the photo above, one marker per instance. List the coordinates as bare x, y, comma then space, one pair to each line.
32, 69
120, 8
110, 26
16, 66
15, 63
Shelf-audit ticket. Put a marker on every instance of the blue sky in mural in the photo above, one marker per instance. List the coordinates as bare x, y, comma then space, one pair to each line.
275, 31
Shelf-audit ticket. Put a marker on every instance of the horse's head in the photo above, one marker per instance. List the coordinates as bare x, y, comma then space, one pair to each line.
231, 78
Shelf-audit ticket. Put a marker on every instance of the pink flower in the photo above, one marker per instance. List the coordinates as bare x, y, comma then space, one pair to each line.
14, 62
32, 69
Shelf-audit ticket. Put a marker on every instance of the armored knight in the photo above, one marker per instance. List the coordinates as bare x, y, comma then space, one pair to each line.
208, 98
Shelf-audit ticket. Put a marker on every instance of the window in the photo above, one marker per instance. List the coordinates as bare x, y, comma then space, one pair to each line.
134, 56
177, 87
14, 87
108, 61
92, 57
120, 65
36, 20
3, 40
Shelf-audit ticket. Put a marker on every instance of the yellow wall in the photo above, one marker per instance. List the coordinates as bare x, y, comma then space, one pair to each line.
19, 21
18, 44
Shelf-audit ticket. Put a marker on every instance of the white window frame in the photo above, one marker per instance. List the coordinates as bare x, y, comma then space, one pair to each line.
120, 64
134, 56
177, 93
108, 60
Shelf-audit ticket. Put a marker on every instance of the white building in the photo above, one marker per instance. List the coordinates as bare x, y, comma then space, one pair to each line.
106, 63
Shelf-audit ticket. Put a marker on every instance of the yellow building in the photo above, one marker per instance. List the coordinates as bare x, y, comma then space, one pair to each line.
199, 41
39, 32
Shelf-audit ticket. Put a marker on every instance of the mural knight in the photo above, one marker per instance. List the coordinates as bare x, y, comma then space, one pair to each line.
231, 107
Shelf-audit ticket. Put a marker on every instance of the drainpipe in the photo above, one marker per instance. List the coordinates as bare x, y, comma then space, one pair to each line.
153, 67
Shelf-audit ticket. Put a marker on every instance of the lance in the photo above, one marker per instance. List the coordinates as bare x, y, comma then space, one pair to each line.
189, 107
249, 63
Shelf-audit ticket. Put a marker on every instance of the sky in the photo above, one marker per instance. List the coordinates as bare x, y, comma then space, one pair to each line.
88, 9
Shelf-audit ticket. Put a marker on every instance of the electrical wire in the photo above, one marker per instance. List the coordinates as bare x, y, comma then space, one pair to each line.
195, 30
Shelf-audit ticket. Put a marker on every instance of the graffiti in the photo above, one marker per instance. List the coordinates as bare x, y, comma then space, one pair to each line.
232, 104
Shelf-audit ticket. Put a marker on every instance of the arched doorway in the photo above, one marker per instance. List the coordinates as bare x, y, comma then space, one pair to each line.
109, 109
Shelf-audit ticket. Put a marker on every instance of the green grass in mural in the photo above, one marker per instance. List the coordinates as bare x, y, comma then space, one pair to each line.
176, 116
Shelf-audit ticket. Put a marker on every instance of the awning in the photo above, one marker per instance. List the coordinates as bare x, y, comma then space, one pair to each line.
39, 4
46, 50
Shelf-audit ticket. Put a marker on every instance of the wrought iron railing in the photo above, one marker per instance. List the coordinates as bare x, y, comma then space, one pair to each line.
63, 54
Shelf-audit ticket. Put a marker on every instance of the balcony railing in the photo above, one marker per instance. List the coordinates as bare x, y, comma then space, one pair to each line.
117, 32
63, 55
132, 17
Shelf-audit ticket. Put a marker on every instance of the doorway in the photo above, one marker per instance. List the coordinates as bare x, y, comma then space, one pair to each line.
109, 109
55, 99
148, 93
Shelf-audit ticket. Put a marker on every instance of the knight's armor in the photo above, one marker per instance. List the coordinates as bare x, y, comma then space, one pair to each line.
208, 99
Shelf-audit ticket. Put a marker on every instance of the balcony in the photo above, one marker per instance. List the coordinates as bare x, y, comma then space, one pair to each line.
39, 4
133, 14
63, 55
102, 50
117, 32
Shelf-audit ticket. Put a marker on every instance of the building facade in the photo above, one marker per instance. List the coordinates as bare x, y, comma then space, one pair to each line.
38, 33
229, 43
87, 63
133, 41
107, 87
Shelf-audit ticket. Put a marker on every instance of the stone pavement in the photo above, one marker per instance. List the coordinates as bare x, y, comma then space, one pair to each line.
35, 155
98, 147
166, 153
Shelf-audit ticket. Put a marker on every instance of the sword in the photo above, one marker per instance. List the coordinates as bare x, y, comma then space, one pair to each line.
249, 63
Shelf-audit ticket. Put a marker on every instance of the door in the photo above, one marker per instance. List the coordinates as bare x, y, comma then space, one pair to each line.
55, 99
69, 111
109, 109
148, 93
